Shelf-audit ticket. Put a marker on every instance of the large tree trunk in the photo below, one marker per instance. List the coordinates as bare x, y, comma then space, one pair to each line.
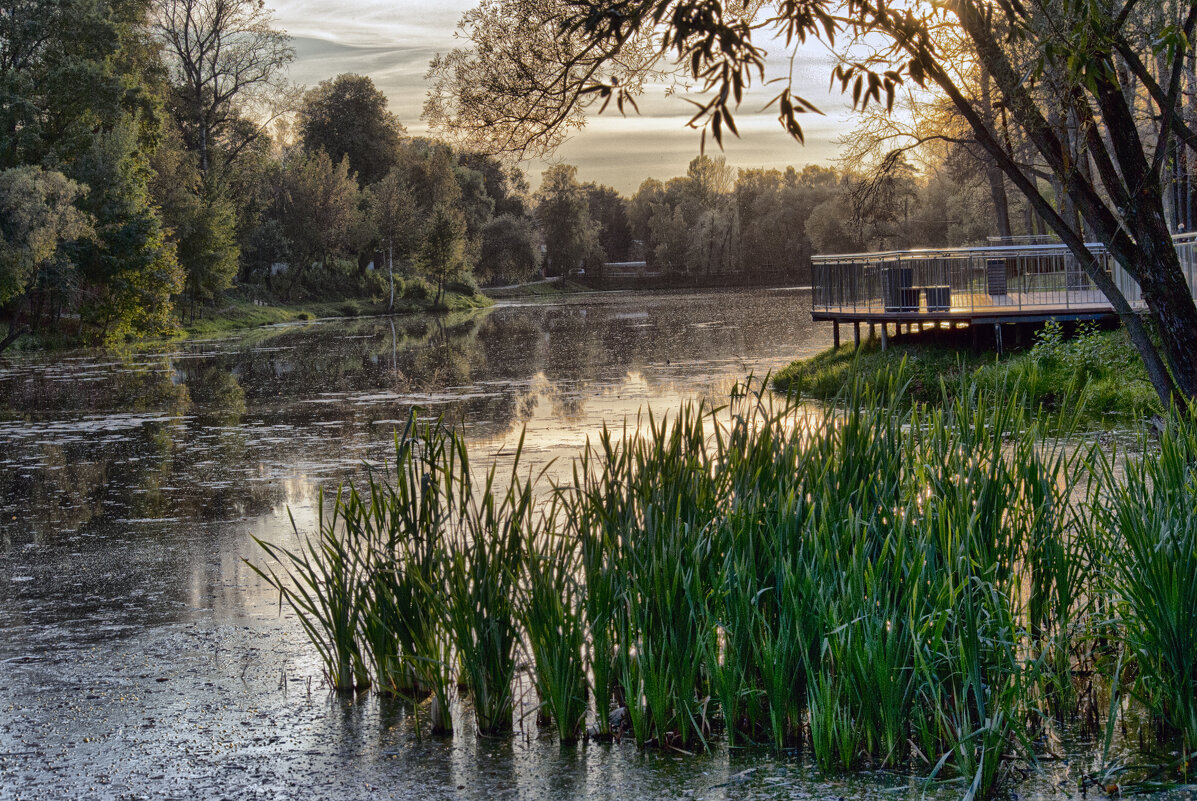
1045, 141
203, 147
1127, 217
993, 173
1169, 298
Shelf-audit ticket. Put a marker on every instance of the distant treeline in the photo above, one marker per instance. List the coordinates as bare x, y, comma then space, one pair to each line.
153, 156
719, 224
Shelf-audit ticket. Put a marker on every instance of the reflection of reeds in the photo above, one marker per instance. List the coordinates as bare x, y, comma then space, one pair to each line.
894, 585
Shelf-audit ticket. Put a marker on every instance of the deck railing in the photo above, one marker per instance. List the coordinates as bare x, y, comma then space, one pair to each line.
970, 280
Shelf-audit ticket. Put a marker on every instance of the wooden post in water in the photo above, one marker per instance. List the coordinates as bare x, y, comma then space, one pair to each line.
835, 328
997, 337
856, 334
884, 336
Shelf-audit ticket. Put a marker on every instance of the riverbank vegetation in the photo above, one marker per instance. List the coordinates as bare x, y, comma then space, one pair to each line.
970, 78
135, 202
237, 310
1098, 372
155, 158
886, 583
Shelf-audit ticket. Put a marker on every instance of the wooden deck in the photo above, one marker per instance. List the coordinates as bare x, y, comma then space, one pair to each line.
1018, 307
985, 286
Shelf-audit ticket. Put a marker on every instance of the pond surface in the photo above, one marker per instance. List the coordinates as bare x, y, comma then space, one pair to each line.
143, 659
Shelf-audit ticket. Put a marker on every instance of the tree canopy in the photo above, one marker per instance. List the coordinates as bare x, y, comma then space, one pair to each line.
347, 117
223, 56
563, 209
1070, 77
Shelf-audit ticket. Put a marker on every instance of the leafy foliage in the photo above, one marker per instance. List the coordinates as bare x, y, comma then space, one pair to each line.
563, 210
441, 255
347, 117
37, 220
509, 250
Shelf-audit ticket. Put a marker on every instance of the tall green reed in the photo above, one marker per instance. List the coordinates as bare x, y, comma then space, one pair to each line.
551, 610
594, 520
321, 581
414, 508
893, 583
651, 503
478, 598
1149, 526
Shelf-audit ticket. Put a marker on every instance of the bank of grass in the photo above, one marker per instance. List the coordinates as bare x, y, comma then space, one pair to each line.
237, 311
245, 308
1099, 372
533, 289
933, 589
923, 366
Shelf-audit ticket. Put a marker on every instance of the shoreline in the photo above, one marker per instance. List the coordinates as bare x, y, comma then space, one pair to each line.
238, 313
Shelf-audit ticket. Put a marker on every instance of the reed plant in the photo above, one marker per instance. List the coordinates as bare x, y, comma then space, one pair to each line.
594, 520
552, 613
479, 600
321, 581
1150, 539
413, 509
652, 504
893, 583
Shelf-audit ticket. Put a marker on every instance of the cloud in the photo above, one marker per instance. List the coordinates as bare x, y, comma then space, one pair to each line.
623, 152
373, 22
393, 43
397, 72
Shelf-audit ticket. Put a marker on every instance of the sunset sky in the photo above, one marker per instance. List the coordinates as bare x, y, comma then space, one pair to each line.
393, 43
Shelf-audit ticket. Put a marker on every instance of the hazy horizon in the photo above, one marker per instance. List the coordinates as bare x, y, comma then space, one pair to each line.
393, 46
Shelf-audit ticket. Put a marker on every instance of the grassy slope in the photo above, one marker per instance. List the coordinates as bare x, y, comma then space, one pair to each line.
825, 375
535, 289
1100, 371
237, 313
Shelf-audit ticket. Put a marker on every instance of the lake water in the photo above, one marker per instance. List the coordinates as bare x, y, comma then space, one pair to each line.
143, 659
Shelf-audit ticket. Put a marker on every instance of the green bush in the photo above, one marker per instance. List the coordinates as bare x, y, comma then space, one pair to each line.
462, 286
417, 288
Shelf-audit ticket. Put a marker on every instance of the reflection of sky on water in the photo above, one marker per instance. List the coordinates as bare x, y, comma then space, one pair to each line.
129, 487
232, 429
